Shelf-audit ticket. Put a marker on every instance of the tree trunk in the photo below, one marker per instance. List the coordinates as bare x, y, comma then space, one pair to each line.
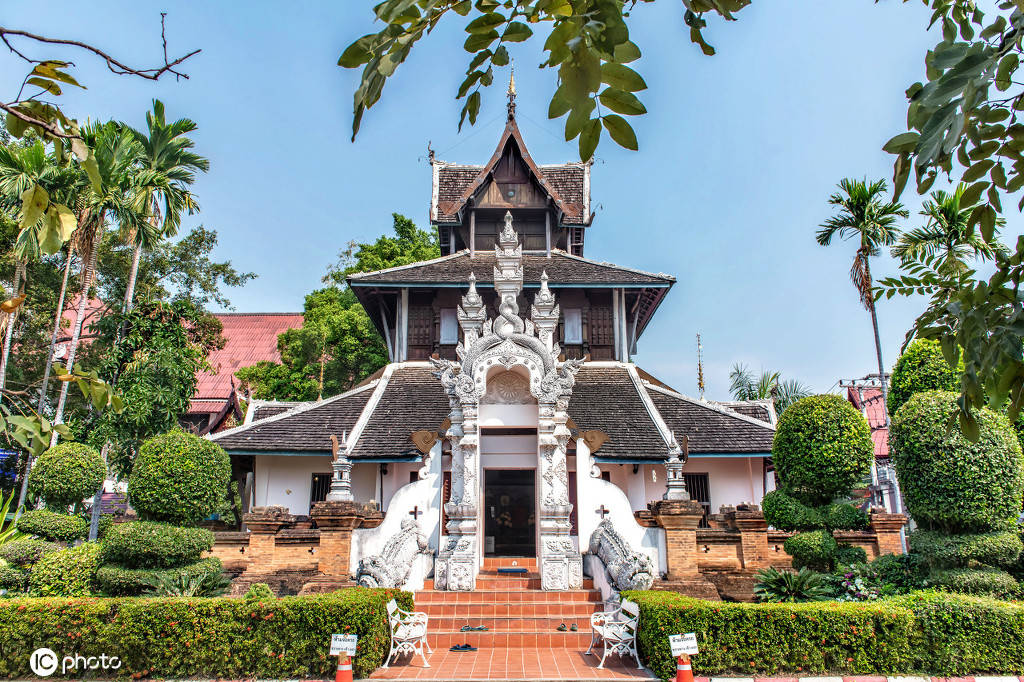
56, 333
12, 317
88, 268
878, 347
97, 500
129, 296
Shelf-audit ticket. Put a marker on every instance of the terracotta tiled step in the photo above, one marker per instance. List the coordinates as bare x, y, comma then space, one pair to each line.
494, 562
509, 624
529, 581
499, 596
508, 640
470, 613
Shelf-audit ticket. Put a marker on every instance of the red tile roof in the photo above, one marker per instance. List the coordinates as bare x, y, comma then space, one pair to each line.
869, 401
251, 338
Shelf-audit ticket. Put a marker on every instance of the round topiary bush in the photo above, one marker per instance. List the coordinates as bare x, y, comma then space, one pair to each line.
848, 555
1000, 549
13, 579
117, 581
146, 544
844, 517
949, 483
67, 573
179, 478
990, 581
53, 526
785, 512
27, 551
259, 592
822, 447
66, 474
921, 368
815, 549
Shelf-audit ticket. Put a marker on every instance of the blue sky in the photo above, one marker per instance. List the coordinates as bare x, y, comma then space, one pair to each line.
737, 157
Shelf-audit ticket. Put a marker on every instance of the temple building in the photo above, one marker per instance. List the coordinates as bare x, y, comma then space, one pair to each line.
511, 420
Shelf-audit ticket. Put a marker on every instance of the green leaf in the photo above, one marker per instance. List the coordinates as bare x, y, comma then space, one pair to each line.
15, 126
978, 170
46, 85
34, 201
517, 32
578, 117
49, 70
622, 102
92, 169
589, 138
988, 222
500, 57
48, 234
972, 194
622, 77
904, 142
626, 52
485, 23
560, 103
621, 131
479, 41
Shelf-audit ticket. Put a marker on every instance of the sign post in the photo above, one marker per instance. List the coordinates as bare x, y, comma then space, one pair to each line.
683, 646
344, 646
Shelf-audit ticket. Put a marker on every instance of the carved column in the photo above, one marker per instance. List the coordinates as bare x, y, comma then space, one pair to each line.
561, 565
887, 529
336, 521
680, 519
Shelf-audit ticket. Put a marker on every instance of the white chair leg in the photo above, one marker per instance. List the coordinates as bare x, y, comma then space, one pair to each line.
422, 655
593, 640
427, 644
636, 655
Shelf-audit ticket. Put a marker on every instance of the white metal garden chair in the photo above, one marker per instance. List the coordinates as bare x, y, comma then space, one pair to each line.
408, 633
616, 631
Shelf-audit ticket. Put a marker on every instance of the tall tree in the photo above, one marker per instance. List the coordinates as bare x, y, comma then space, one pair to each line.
167, 165
769, 385
337, 345
947, 235
869, 220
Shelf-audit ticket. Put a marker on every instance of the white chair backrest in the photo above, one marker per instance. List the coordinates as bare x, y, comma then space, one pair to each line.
392, 610
631, 611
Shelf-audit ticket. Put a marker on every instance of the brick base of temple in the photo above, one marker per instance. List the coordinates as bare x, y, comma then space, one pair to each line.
720, 562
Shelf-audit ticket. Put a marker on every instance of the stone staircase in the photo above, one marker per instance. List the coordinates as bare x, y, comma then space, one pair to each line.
517, 613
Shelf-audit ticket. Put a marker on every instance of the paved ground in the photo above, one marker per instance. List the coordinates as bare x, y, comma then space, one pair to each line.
512, 664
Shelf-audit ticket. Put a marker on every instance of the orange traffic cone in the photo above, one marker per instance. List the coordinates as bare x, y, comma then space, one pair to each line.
344, 673
684, 673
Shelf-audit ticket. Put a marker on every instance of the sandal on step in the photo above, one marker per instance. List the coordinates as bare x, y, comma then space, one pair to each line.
574, 628
562, 628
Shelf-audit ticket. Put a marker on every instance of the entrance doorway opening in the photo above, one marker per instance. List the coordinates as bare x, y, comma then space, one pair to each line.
509, 512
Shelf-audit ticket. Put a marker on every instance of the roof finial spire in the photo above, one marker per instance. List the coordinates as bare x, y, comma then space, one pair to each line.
512, 91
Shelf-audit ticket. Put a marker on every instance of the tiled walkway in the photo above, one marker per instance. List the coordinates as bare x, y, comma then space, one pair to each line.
512, 664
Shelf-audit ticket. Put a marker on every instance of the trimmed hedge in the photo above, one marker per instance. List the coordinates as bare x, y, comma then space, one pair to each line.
814, 549
259, 592
990, 582
27, 551
286, 638
146, 544
931, 633
53, 526
921, 368
179, 478
949, 483
67, 573
66, 474
822, 447
1000, 549
785, 512
118, 581
844, 516
13, 579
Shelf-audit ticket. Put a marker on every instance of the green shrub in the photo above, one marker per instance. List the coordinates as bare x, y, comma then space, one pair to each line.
921, 368
785, 512
950, 483
844, 516
814, 549
848, 555
822, 447
66, 474
26, 551
1000, 549
146, 544
13, 579
220, 638
259, 592
118, 581
905, 572
53, 526
931, 633
774, 585
67, 573
990, 582
178, 477
169, 584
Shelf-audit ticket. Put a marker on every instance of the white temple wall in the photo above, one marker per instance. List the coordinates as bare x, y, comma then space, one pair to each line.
287, 480
731, 480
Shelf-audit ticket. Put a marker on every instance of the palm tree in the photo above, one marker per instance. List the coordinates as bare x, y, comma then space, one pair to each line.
768, 386
864, 216
946, 234
167, 167
115, 150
